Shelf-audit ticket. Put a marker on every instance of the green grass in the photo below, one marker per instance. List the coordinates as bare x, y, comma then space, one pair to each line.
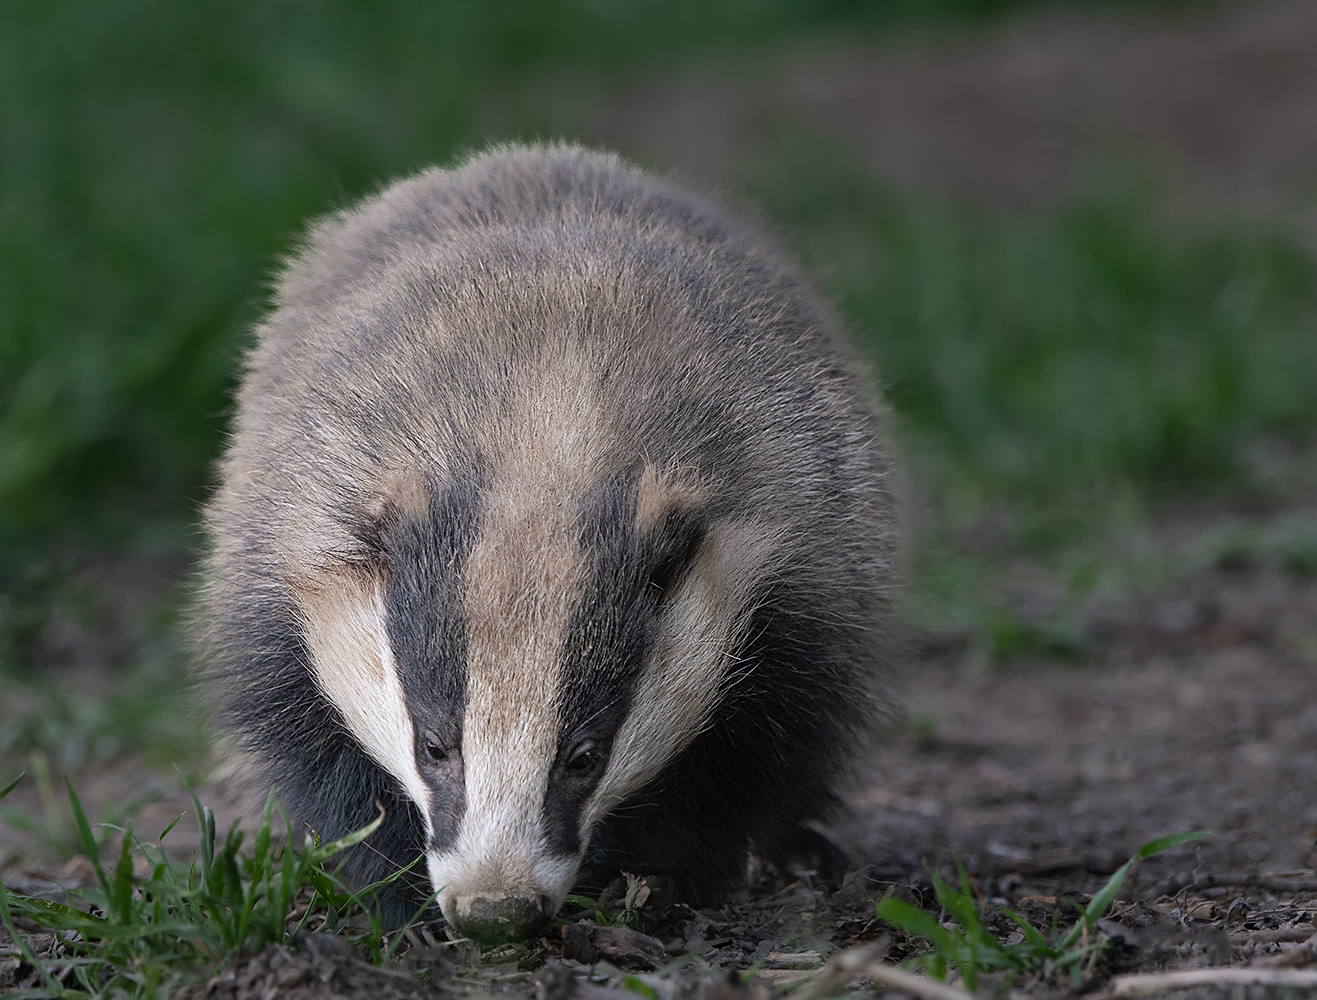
142, 935
970, 947
155, 161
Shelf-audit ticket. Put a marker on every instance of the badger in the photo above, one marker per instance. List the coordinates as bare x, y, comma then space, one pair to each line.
557, 524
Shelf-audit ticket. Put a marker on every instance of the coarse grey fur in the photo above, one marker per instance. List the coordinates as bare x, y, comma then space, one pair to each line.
557, 520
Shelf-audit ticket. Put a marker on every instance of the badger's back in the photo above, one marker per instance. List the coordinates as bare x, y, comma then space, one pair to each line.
535, 456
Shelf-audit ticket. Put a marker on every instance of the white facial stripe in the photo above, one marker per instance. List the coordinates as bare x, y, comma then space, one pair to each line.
520, 585
521, 578
691, 664
353, 665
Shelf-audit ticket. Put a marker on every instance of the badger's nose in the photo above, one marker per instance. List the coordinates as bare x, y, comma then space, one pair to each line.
493, 919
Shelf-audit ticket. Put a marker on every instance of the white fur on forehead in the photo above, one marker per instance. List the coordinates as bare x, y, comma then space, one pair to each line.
352, 659
690, 665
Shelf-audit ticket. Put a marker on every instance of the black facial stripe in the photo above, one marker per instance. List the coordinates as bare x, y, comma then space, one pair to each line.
425, 556
608, 635
605, 636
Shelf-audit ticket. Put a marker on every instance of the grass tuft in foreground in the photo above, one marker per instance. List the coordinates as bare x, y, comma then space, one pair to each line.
969, 946
151, 923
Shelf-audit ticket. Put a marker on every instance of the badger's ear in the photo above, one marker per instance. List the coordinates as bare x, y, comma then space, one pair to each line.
368, 524
369, 521
675, 544
672, 523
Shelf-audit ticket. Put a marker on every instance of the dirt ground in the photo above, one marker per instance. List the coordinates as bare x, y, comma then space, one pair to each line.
1206, 719
1200, 712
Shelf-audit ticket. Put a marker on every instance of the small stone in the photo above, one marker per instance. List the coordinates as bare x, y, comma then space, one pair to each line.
578, 943
290, 975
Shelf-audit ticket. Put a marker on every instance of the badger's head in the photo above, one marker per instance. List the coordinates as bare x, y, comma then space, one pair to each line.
522, 651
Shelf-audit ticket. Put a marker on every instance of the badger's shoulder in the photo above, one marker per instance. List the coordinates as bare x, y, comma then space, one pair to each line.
536, 237
522, 192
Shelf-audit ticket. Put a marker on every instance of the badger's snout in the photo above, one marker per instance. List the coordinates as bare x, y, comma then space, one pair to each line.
498, 917
500, 878
505, 898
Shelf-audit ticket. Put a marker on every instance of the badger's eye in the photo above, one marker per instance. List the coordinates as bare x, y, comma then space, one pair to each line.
583, 759
434, 751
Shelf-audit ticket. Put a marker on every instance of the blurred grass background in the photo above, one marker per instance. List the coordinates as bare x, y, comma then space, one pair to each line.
1056, 376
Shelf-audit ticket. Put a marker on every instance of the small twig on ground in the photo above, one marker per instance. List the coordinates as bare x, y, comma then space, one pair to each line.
1156, 982
920, 986
865, 962
1187, 883
1284, 934
383, 970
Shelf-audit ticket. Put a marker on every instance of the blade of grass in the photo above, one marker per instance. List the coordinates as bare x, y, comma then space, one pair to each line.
1102, 900
400, 935
327, 851
169, 829
121, 900
913, 920
88, 841
12, 785
206, 823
